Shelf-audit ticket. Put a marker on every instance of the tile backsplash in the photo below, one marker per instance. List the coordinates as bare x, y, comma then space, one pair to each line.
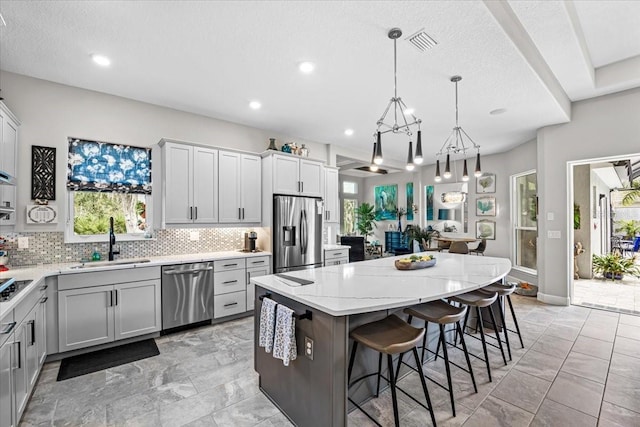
50, 248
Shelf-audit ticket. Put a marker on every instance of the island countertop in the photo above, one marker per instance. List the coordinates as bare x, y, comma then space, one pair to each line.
374, 285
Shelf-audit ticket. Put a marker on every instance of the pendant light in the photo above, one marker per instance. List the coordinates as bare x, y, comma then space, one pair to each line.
407, 119
373, 167
455, 144
438, 177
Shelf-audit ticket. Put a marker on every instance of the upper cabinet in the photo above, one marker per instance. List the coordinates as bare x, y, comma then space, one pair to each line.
296, 176
202, 185
331, 197
239, 178
190, 184
8, 163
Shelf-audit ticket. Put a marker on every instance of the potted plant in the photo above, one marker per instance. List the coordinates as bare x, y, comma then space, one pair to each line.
614, 266
365, 219
418, 234
629, 227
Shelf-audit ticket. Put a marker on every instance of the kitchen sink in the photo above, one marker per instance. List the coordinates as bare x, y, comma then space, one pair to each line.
106, 263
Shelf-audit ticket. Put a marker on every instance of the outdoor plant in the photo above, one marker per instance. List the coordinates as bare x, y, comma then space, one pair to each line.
615, 266
629, 227
365, 219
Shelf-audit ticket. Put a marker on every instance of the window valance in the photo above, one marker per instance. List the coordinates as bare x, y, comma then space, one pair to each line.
103, 166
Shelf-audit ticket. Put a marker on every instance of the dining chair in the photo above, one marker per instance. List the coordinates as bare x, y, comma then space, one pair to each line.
459, 248
479, 250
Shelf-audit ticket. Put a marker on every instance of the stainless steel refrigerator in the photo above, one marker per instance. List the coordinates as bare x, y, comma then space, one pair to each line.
297, 233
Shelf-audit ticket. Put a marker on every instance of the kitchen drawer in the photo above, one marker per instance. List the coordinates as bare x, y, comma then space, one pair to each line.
5, 324
336, 261
336, 253
35, 295
229, 281
258, 261
228, 264
228, 304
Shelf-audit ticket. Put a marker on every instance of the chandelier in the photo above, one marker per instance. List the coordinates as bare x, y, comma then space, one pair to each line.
403, 118
455, 144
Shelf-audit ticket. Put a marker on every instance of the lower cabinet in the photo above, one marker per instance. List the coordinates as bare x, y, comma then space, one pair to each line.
102, 314
229, 304
7, 412
336, 256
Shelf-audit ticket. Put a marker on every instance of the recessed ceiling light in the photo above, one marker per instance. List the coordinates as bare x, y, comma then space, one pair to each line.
307, 67
255, 105
348, 132
101, 60
409, 111
498, 111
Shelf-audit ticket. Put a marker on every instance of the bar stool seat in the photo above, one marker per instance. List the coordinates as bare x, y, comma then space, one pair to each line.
505, 290
441, 313
480, 299
389, 336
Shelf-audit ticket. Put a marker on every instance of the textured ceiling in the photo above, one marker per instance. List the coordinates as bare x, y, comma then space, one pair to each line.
212, 58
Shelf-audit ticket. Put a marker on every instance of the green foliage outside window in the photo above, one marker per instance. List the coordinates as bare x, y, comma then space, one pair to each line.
92, 211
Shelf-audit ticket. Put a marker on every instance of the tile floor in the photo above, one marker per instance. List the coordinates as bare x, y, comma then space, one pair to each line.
580, 368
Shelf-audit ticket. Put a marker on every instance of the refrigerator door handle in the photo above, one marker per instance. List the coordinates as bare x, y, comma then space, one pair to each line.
303, 232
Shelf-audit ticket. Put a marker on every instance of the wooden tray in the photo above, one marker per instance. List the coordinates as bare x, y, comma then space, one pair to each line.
414, 265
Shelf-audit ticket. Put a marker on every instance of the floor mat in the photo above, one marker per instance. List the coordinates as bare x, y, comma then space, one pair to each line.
83, 364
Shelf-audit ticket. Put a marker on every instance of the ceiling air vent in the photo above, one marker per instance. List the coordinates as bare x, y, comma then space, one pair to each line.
422, 40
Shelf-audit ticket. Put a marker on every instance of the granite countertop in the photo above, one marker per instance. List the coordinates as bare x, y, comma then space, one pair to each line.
373, 285
334, 247
37, 274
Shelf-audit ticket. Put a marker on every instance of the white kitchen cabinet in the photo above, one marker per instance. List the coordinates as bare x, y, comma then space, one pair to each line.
137, 309
251, 288
8, 161
239, 180
102, 314
331, 196
20, 373
41, 330
296, 176
190, 184
7, 416
336, 256
85, 317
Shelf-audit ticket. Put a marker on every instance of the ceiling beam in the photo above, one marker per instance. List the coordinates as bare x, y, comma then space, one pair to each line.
513, 28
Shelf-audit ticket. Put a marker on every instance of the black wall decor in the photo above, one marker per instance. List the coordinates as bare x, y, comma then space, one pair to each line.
43, 173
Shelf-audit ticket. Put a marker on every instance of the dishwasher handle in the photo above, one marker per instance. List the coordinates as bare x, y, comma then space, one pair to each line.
190, 271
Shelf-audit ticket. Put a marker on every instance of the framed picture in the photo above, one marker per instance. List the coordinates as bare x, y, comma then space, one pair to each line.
386, 202
409, 201
486, 183
429, 199
486, 229
43, 173
486, 206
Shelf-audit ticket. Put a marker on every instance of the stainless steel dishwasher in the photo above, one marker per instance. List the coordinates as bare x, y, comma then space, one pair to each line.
187, 294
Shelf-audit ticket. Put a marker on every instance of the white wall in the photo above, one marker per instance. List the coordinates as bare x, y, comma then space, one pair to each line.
51, 112
600, 127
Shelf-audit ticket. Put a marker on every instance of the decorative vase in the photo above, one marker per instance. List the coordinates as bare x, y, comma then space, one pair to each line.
304, 151
286, 148
272, 144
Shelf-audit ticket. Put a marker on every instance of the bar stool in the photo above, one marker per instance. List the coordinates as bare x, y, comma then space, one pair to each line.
505, 291
443, 314
389, 336
479, 300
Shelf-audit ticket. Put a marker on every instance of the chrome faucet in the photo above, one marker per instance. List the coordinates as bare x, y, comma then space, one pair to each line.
112, 240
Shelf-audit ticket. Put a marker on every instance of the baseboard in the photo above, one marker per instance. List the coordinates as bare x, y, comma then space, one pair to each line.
553, 299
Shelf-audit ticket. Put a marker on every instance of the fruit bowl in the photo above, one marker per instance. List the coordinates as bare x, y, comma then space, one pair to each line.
415, 265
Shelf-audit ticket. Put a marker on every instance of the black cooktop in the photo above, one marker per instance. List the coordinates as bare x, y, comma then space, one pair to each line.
10, 288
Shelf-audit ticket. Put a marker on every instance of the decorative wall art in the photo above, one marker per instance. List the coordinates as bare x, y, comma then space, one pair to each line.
429, 199
486, 229
43, 173
410, 207
386, 202
486, 183
486, 206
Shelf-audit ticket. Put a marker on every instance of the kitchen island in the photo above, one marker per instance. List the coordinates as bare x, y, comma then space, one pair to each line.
312, 390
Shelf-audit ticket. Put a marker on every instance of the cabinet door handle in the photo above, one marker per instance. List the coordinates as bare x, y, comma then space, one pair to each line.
231, 304
32, 325
8, 328
230, 265
17, 343
43, 300
196, 211
110, 299
115, 294
299, 187
239, 213
302, 185
44, 287
242, 213
229, 281
190, 212
257, 262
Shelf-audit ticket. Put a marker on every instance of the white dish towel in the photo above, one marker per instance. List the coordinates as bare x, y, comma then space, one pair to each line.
267, 324
284, 343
